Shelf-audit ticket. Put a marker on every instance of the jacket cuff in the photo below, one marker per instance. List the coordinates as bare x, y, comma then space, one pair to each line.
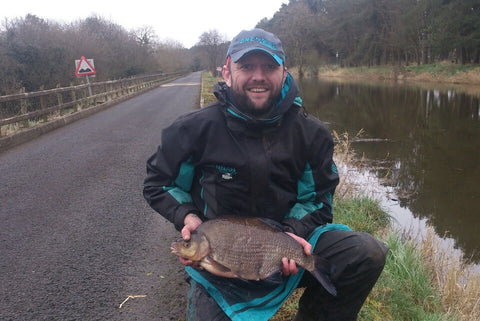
295, 226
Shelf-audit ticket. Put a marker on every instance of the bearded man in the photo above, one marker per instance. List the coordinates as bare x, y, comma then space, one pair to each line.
257, 153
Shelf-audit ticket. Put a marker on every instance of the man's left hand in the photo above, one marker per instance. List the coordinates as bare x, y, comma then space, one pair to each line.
290, 266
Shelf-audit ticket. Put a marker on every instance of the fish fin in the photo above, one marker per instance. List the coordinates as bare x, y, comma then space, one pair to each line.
217, 266
275, 277
272, 223
322, 271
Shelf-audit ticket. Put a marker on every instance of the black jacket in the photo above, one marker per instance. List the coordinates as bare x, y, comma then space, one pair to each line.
219, 161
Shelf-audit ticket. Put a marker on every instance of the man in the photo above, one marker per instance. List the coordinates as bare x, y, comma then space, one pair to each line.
255, 152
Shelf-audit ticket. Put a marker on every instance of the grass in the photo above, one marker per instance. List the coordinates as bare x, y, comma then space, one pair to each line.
421, 281
14, 128
208, 81
405, 290
456, 280
441, 68
443, 72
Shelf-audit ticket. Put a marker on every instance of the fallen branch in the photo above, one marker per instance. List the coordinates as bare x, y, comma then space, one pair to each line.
131, 297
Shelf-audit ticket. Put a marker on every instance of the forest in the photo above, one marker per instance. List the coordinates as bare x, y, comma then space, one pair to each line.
39, 54
378, 32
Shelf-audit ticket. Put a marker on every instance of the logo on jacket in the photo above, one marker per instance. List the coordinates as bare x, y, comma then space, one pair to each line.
227, 172
227, 176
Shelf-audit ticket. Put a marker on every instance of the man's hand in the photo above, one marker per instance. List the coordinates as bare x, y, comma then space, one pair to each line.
191, 222
289, 266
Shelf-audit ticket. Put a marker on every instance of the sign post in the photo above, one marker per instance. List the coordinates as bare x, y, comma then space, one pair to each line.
85, 67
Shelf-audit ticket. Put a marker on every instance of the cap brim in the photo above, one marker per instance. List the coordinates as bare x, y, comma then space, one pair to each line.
238, 55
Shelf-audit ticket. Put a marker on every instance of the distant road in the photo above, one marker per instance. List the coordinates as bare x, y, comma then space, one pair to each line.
76, 236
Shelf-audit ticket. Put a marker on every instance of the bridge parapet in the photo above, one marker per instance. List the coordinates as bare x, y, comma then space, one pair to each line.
52, 108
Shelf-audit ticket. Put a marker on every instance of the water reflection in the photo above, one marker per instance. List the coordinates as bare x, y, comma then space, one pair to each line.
431, 157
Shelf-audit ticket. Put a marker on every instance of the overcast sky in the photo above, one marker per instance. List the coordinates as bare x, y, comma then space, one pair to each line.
180, 20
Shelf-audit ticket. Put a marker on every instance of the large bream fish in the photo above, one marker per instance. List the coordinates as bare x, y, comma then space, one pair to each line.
248, 248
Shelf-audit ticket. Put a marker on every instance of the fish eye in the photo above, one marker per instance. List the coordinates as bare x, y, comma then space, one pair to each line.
186, 244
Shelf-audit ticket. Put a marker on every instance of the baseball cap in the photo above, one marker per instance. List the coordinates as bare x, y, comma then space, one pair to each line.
256, 39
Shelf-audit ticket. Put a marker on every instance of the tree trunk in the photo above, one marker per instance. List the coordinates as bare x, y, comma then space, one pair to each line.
463, 57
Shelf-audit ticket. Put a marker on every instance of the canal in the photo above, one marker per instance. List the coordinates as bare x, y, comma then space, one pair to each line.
421, 142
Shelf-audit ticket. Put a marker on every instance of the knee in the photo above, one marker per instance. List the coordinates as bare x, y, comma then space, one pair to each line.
371, 251
352, 252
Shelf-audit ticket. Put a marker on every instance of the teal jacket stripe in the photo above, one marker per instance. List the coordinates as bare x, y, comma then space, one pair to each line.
183, 183
236, 114
205, 208
305, 196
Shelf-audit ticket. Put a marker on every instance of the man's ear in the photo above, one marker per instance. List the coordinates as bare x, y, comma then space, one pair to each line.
227, 76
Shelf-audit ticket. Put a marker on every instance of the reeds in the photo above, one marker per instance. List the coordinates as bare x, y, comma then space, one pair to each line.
455, 278
348, 164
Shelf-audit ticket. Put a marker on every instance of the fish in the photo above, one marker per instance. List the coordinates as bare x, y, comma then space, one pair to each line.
249, 248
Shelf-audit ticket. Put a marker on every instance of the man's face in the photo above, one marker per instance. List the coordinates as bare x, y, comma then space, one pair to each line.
256, 81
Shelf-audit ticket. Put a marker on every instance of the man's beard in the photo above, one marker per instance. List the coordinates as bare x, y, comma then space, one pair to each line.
245, 104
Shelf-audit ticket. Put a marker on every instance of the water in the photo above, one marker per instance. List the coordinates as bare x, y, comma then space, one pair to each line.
423, 143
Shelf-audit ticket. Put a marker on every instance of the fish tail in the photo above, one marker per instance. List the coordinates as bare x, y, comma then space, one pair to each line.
322, 272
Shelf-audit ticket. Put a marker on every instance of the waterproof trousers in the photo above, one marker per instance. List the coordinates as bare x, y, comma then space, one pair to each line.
358, 258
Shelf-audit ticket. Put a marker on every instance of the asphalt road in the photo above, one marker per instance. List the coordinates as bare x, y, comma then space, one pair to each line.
76, 236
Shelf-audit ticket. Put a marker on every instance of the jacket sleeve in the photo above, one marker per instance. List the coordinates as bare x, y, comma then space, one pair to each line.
315, 188
170, 173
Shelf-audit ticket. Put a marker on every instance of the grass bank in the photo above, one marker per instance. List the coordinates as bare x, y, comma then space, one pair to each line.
438, 73
421, 280
410, 287
207, 96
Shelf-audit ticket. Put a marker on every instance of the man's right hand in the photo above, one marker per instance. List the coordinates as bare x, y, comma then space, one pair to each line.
191, 222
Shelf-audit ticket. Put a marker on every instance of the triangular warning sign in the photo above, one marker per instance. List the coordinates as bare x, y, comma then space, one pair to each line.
85, 67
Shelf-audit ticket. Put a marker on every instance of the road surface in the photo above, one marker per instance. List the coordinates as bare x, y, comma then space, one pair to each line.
76, 236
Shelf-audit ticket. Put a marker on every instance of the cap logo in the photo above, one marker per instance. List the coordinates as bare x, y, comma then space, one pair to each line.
262, 41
